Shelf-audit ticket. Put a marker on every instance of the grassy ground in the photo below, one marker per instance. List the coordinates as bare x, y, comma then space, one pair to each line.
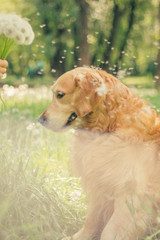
39, 198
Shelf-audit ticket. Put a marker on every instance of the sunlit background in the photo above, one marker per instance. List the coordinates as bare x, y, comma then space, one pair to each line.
120, 36
39, 197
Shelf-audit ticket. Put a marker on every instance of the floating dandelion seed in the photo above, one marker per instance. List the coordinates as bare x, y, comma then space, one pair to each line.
43, 25
102, 89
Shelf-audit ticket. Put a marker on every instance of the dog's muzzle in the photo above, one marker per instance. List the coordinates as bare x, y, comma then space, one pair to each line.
42, 119
72, 117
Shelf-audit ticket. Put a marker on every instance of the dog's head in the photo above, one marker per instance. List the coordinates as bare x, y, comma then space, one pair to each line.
75, 95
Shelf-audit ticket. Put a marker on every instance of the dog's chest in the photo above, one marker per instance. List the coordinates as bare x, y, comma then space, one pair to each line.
107, 163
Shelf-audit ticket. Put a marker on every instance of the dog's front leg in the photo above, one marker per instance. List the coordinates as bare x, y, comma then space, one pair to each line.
128, 222
94, 222
88, 231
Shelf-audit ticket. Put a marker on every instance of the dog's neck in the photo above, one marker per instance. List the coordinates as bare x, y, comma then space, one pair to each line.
124, 112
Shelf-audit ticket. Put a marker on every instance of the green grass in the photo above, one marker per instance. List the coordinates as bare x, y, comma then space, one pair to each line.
39, 197
32, 82
140, 81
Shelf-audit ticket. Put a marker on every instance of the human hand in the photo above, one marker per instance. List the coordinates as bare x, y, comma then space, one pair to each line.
3, 67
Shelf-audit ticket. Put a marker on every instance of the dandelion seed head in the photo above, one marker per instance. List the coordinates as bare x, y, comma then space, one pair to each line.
16, 28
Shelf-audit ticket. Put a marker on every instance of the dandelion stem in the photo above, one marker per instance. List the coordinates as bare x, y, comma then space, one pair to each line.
4, 105
2, 45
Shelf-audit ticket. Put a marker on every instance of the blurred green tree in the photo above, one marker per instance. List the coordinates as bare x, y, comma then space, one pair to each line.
115, 35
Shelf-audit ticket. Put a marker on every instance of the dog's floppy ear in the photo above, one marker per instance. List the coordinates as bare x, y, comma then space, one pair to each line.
86, 95
83, 108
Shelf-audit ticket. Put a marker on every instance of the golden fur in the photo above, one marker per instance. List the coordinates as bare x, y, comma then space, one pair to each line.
116, 152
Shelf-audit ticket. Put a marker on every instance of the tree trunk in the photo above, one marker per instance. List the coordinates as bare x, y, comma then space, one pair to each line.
126, 35
111, 39
83, 32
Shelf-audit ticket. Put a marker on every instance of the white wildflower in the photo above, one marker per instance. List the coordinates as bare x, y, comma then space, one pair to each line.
30, 126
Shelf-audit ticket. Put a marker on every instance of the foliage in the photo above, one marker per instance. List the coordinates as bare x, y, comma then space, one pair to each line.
131, 25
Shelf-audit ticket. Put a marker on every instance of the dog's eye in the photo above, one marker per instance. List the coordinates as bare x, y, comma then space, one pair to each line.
60, 95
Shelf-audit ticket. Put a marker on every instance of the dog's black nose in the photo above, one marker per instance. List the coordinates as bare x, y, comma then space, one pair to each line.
42, 119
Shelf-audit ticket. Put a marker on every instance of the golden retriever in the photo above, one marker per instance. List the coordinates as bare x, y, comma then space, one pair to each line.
116, 152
